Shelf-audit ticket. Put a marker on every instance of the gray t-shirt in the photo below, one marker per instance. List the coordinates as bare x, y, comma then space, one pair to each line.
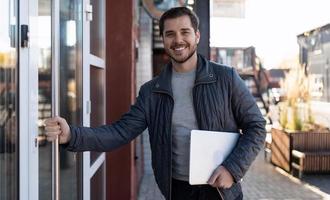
183, 121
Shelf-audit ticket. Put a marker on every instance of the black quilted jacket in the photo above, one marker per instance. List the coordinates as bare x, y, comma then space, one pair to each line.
222, 102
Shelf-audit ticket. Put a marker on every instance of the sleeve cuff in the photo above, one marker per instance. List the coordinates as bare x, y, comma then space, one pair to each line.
231, 169
70, 146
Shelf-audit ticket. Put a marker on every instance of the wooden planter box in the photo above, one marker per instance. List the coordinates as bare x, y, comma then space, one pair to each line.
283, 143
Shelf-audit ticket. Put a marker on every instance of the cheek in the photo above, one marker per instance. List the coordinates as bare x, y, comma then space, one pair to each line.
167, 43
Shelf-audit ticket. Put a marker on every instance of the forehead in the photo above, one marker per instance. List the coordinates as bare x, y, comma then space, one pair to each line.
177, 23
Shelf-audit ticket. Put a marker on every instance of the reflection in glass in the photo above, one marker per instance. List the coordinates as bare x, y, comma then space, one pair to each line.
97, 83
97, 184
70, 91
97, 29
44, 96
8, 101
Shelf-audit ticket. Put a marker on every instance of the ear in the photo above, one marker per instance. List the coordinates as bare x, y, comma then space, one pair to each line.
198, 36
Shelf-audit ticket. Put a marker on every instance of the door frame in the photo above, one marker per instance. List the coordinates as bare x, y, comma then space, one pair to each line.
89, 59
28, 98
28, 102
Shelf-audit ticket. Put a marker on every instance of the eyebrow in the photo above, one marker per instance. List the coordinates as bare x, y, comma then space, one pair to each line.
185, 29
182, 29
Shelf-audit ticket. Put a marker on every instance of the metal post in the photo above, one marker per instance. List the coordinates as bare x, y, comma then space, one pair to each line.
202, 9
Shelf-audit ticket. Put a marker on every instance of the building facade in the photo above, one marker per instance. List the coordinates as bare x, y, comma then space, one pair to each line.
314, 55
83, 60
76, 59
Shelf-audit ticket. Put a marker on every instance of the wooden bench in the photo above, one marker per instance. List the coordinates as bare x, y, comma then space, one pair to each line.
301, 151
310, 162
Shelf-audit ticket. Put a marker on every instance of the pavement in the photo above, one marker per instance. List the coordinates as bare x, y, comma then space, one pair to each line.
263, 181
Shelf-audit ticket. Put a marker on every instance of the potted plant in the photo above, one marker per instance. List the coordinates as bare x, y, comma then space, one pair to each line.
297, 129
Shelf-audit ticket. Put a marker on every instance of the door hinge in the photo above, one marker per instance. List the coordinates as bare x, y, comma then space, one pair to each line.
89, 12
88, 107
24, 36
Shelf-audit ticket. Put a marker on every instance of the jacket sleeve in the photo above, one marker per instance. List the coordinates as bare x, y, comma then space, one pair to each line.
109, 137
251, 122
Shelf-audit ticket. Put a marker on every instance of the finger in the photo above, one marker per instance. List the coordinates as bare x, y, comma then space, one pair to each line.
218, 182
227, 185
61, 121
214, 177
52, 133
50, 122
52, 128
51, 139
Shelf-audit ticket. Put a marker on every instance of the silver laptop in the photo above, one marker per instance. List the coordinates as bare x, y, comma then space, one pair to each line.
208, 149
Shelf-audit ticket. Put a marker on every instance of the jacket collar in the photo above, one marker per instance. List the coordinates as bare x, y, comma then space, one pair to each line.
204, 74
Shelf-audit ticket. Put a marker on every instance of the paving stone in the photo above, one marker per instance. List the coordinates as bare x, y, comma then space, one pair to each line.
263, 181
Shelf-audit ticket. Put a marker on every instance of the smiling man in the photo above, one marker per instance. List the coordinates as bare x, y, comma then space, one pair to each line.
190, 93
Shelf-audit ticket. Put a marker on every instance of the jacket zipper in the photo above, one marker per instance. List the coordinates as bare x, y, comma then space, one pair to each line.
171, 148
193, 95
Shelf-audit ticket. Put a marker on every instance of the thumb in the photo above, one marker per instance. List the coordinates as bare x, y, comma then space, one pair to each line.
65, 136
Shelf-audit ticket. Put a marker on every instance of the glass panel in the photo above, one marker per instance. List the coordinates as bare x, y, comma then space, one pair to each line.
97, 29
97, 84
70, 92
8, 94
98, 184
44, 98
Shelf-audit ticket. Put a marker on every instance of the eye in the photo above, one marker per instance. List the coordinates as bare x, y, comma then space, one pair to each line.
185, 32
169, 34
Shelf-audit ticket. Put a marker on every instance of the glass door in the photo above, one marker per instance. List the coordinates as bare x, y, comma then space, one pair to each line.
94, 93
59, 93
50, 84
52, 67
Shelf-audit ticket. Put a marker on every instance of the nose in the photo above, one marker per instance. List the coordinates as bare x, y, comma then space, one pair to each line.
178, 38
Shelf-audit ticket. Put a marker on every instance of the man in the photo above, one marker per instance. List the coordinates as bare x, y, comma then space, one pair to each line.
190, 93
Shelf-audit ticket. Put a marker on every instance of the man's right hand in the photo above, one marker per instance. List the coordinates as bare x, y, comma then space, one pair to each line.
57, 126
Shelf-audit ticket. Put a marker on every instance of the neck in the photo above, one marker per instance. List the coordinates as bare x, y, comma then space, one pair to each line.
187, 66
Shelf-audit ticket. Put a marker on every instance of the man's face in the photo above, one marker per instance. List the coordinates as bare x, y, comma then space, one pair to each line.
180, 39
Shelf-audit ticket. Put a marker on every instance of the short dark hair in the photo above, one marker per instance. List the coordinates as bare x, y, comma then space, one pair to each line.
178, 12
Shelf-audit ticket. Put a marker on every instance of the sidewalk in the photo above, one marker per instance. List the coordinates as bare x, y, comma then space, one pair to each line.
263, 181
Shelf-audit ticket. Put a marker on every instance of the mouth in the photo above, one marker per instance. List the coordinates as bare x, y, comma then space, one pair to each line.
178, 49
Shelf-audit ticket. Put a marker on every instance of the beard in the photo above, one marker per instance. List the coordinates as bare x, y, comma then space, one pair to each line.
183, 60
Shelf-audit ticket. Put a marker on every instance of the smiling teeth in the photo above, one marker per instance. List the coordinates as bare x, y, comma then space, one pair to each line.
179, 49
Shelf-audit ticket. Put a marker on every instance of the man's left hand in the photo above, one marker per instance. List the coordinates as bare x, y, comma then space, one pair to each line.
221, 177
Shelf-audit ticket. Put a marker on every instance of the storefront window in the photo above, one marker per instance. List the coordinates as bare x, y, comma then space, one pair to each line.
8, 100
